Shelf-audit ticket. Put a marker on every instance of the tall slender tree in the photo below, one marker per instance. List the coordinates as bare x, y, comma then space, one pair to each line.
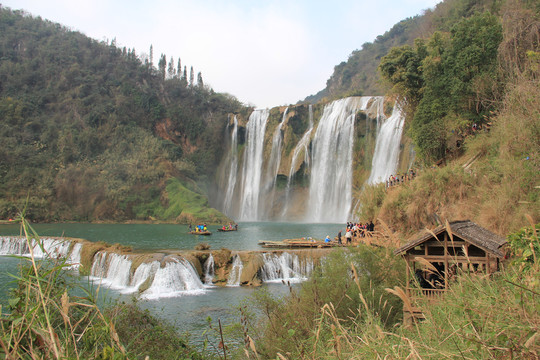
191, 77
200, 83
170, 70
162, 65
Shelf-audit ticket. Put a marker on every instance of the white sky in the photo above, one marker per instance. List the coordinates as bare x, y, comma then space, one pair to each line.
265, 52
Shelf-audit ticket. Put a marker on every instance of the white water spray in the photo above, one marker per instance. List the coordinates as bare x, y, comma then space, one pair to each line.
252, 165
330, 190
236, 271
233, 169
386, 155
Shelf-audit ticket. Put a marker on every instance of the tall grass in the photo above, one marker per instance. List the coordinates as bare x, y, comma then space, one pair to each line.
479, 317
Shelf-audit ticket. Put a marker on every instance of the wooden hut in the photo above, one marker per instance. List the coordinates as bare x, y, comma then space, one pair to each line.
435, 256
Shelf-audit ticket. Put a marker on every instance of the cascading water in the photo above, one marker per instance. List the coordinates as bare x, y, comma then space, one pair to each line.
52, 247
272, 168
386, 155
286, 267
275, 154
303, 145
252, 165
209, 270
176, 278
330, 190
112, 270
236, 271
233, 169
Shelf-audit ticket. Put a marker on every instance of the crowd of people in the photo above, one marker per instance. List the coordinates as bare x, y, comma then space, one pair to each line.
354, 230
397, 179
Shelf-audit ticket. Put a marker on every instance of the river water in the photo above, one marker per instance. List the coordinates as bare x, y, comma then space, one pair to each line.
188, 312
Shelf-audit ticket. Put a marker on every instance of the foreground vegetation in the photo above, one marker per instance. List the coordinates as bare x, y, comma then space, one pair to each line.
351, 309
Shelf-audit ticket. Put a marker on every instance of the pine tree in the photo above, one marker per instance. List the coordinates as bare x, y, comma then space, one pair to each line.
200, 83
151, 56
191, 77
171, 70
179, 69
162, 65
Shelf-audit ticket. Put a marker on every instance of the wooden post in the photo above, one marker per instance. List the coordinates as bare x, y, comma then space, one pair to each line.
446, 269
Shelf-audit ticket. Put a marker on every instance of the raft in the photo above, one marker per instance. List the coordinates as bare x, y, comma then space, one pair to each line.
297, 243
200, 233
225, 230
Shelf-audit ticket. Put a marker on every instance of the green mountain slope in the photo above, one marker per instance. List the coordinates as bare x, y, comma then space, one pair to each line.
91, 132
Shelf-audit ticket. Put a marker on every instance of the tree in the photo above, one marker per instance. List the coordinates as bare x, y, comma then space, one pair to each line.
162, 65
200, 83
191, 77
171, 71
179, 69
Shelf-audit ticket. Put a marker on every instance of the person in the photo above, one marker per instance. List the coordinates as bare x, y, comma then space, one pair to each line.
371, 226
190, 228
348, 236
327, 239
235, 226
339, 237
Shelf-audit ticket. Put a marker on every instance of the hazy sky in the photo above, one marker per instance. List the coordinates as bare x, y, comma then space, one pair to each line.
265, 52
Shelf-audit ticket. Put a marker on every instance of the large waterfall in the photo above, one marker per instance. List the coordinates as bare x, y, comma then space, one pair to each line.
233, 169
386, 155
302, 146
323, 155
330, 190
252, 166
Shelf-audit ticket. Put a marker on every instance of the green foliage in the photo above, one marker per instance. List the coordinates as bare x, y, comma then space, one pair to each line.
91, 129
293, 325
525, 246
439, 79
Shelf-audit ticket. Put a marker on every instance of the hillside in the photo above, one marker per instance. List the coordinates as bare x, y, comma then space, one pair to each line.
91, 132
359, 76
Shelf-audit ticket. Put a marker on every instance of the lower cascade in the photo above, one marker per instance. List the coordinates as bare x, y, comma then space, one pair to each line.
158, 275
236, 271
286, 267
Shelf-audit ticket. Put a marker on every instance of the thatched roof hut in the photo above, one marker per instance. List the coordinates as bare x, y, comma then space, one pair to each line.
434, 257
465, 230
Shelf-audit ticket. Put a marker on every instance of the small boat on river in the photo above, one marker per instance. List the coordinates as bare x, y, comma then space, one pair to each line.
226, 228
200, 233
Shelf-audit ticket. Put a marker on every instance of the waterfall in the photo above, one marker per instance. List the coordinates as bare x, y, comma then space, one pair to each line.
303, 145
236, 271
176, 278
233, 169
330, 190
13, 245
386, 155
275, 155
52, 247
252, 165
286, 267
209, 270
113, 270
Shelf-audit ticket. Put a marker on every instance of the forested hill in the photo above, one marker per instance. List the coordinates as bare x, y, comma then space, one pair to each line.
89, 131
359, 76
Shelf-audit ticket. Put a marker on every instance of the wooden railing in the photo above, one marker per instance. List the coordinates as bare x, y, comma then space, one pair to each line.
430, 294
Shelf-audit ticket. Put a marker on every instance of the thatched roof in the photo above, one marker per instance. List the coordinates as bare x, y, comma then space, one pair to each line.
466, 230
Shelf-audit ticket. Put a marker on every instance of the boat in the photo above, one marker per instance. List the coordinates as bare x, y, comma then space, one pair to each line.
297, 243
225, 230
200, 233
